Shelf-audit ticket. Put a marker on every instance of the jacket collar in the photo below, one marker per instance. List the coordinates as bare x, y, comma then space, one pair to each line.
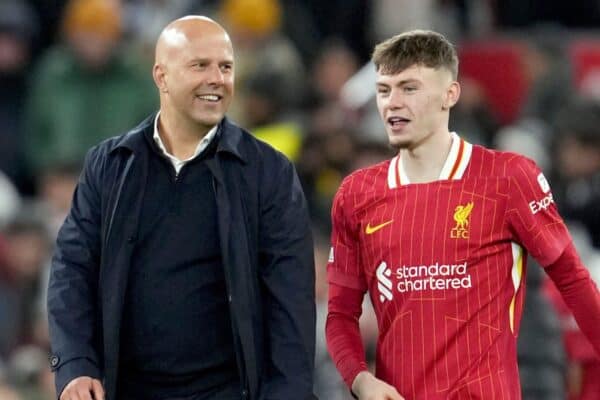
229, 137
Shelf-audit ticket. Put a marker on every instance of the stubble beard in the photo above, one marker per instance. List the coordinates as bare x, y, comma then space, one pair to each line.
399, 144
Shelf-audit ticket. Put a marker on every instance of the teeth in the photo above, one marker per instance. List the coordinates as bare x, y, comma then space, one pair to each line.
209, 97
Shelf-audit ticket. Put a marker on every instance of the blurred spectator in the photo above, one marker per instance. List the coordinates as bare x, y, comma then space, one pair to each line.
549, 76
335, 144
583, 362
261, 49
328, 382
312, 22
358, 98
391, 17
540, 350
48, 15
145, 19
520, 14
9, 200
86, 88
269, 117
55, 193
333, 67
27, 250
325, 160
577, 193
529, 137
577, 165
549, 83
30, 373
472, 117
17, 31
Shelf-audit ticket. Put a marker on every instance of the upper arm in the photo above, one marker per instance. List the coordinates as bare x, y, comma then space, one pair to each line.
344, 266
533, 217
79, 237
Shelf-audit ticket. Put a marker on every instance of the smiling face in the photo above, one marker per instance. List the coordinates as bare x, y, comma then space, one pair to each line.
414, 103
194, 71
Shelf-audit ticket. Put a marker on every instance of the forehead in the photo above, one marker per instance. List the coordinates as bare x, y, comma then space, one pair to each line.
214, 46
415, 72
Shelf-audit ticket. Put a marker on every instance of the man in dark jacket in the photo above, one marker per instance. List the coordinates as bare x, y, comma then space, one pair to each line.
185, 267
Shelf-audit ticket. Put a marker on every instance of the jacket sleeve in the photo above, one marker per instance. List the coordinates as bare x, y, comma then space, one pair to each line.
288, 278
72, 290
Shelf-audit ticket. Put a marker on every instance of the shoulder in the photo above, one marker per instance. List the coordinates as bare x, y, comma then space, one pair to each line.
501, 164
373, 177
121, 144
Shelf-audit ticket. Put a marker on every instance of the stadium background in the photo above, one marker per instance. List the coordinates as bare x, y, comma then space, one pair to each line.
75, 71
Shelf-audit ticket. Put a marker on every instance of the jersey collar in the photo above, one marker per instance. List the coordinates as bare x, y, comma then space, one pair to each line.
454, 167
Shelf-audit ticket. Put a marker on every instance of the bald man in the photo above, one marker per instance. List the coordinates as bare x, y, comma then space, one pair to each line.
184, 269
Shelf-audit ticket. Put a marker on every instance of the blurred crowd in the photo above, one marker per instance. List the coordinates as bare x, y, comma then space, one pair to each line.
73, 72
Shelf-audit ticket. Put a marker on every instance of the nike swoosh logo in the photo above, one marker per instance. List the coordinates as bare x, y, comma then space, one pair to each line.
372, 229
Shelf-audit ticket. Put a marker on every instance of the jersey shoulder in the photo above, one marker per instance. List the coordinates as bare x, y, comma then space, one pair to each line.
371, 178
486, 162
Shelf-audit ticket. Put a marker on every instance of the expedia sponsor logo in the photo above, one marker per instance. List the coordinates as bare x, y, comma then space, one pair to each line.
539, 205
418, 278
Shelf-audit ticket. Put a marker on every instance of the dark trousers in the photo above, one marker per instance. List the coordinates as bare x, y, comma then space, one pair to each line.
228, 392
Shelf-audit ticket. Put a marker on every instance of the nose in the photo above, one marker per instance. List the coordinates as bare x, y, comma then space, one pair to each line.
215, 76
396, 100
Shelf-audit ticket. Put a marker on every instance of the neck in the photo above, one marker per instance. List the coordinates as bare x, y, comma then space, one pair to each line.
424, 162
179, 135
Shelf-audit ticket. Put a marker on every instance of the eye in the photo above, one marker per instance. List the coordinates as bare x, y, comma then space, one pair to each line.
226, 67
409, 89
382, 91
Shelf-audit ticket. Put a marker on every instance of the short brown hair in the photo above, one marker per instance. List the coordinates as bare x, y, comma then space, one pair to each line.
419, 47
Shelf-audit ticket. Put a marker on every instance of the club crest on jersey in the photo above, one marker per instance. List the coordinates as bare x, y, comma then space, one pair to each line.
462, 213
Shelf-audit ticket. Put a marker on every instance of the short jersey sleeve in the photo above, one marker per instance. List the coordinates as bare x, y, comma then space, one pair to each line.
343, 267
532, 214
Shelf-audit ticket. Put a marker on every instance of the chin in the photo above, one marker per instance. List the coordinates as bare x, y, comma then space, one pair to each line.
399, 144
209, 121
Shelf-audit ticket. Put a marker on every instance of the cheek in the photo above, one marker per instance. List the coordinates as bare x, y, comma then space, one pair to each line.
381, 105
230, 85
431, 103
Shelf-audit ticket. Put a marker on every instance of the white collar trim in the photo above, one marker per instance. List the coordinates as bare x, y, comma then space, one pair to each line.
454, 167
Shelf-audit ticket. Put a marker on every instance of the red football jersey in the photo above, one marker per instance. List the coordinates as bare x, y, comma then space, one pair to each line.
444, 264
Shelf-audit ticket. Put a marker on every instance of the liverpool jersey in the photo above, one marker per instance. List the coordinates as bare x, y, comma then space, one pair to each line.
444, 265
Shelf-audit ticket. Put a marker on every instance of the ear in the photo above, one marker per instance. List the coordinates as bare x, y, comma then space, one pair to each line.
451, 96
159, 76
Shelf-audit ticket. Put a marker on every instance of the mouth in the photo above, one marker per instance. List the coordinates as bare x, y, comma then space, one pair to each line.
397, 122
211, 98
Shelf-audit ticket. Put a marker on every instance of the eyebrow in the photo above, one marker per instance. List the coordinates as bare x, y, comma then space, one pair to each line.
208, 60
401, 83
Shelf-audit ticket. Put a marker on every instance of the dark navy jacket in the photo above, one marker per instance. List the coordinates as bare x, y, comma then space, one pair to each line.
267, 254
